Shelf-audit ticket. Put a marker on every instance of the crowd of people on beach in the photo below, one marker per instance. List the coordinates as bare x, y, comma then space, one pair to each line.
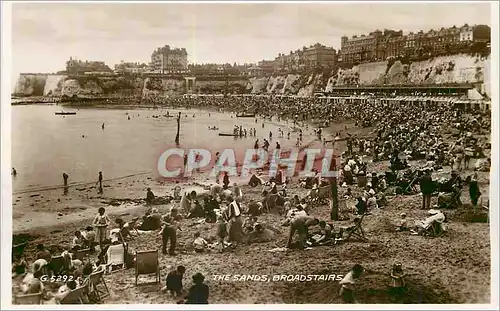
417, 141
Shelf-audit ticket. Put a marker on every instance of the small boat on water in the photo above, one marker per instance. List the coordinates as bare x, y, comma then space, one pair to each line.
228, 134
65, 113
246, 115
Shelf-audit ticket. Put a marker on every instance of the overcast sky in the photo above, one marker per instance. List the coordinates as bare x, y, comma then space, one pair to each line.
45, 35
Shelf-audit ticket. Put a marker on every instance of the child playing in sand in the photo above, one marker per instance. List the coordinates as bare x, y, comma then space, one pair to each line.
249, 223
348, 283
402, 223
221, 231
200, 244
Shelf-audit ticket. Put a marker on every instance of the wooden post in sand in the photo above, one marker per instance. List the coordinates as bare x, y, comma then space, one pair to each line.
334, 201
178, 129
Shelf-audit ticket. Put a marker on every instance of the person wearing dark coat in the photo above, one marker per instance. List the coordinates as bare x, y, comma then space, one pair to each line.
361, 206
174, 281
427, 188
474, 191
198, 293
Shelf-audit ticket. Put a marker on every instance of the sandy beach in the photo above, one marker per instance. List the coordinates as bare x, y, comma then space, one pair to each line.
450, 269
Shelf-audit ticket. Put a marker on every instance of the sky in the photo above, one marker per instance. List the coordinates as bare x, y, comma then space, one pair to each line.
45, 35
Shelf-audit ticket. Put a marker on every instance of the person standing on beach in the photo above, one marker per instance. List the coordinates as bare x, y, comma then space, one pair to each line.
235, 222
102, 126
474, 192
101, 223
169, 232
65, 180
14, 172
225, 181
99, 182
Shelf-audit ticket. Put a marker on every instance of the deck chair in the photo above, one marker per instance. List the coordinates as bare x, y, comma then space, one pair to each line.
75, 296
81, 254
29, 299
147, 262
356, 230
97, 286
115, 257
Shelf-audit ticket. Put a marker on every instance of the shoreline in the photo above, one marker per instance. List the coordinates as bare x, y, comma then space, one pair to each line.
38, 202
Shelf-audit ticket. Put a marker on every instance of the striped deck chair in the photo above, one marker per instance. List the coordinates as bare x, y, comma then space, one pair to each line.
97, 286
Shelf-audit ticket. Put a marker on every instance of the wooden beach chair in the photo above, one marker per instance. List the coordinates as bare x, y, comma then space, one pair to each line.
29, 299
356, 230
147, 262
97, 287
75, 296
115, 257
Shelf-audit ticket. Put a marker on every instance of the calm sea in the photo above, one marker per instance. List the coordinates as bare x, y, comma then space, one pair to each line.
45, 145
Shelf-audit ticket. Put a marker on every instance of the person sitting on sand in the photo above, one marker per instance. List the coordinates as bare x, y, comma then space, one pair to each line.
174, 281
215, 190
323, 235
249, 223
436, 216
31, 283
200, 244
255, 181
199, 292
90, 236
19, 266
371, 202
348, 284
151, 221
78, 241
402, 223
124, 230
150, 197
253, 208
196, 210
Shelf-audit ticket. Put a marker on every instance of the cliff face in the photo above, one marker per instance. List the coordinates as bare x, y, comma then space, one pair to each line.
30, 85
438, 70
458, 68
